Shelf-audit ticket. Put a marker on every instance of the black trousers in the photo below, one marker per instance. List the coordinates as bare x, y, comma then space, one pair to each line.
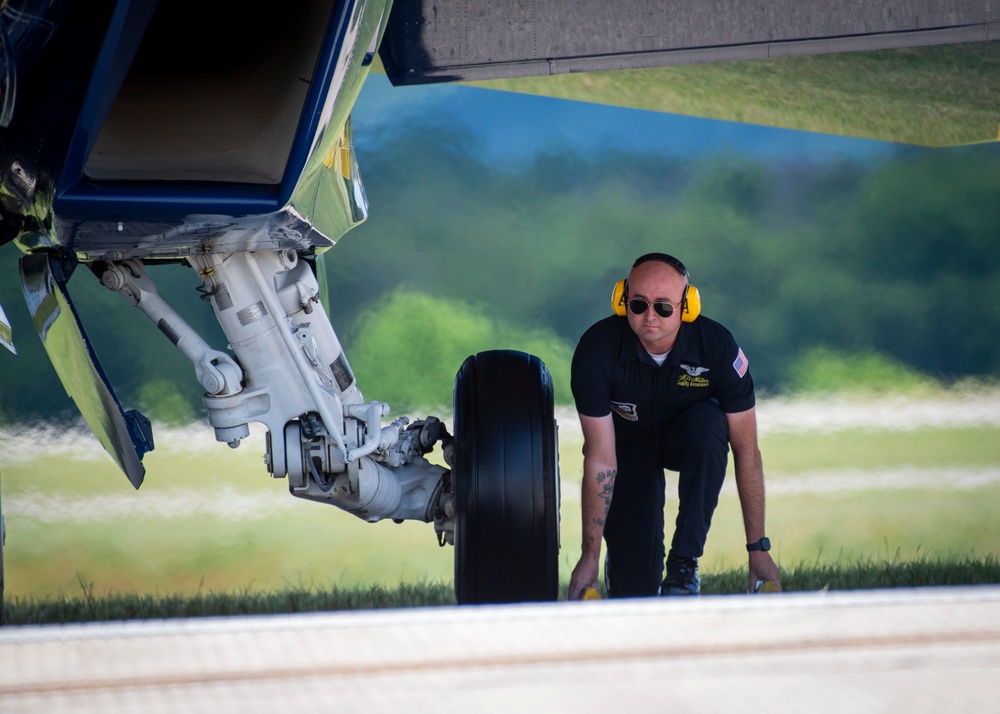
696, 445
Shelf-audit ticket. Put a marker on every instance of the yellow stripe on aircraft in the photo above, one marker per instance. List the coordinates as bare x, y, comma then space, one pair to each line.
346, 158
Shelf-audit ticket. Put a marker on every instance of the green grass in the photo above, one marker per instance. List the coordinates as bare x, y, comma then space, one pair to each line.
794, 453
210, 521
86, 606
175, 535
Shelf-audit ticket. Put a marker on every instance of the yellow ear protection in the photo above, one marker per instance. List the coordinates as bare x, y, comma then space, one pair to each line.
690, 303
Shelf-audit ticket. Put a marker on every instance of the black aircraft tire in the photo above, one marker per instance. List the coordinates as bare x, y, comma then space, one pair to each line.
505, 480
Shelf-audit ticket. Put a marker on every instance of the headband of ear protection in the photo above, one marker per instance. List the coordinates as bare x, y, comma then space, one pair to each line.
690, 302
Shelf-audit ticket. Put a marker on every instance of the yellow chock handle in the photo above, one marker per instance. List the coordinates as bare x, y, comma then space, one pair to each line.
590, 593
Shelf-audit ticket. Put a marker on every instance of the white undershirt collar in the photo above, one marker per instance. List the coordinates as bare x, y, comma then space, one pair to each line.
659, 359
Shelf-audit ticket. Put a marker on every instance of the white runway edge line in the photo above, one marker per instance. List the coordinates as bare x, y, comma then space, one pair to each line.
228, 504
891, 650
963, 409
24, 444
232, 504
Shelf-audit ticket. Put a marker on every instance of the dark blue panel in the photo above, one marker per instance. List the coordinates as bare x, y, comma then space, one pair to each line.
78, 197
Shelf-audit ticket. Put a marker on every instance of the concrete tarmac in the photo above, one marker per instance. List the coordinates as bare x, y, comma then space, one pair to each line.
923, 650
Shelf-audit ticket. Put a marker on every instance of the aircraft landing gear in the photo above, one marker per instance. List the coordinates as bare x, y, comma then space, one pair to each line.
505, 480
499, 502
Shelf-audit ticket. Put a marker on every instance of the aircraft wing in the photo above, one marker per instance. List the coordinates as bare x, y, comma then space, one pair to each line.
912, 72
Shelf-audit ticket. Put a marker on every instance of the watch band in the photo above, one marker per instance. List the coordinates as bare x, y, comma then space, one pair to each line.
763, 544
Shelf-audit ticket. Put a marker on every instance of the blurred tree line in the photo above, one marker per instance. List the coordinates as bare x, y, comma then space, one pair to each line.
894, 260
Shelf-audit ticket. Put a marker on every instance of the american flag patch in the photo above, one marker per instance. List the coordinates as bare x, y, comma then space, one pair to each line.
741, 364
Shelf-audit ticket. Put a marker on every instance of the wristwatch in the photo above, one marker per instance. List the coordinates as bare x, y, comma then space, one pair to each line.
763, 544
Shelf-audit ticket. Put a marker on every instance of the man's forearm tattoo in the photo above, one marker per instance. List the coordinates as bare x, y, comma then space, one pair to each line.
606, 480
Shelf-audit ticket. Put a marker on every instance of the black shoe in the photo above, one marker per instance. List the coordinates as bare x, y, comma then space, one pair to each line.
682, 577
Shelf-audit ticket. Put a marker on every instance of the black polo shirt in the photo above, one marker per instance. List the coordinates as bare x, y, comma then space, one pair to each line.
612, 372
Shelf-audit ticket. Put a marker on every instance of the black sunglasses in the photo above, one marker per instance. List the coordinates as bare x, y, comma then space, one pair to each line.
663, 309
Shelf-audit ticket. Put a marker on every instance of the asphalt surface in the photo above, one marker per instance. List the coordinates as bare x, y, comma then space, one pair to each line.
924, 650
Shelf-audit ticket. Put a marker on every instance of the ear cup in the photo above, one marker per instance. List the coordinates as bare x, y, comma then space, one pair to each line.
689, 312
692, 305
618, 297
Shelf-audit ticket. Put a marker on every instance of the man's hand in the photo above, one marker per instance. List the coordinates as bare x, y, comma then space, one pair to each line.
584, 575
762, 567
